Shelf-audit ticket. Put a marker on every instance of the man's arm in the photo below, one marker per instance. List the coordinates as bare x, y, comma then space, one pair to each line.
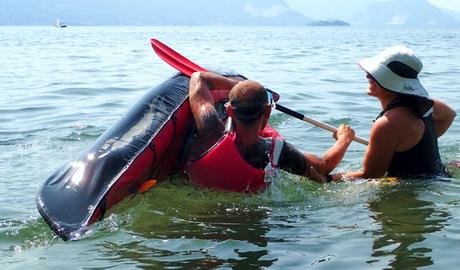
210, 128
334, 155
309, 165
443, 116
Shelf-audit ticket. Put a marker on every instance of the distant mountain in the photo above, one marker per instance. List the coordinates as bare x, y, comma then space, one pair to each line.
404, 13
453, 13
149, 12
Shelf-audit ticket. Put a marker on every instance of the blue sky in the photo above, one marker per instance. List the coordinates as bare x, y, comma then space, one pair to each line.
343, 9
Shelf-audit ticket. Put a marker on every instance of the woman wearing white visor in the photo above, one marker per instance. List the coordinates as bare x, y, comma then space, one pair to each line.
403, 140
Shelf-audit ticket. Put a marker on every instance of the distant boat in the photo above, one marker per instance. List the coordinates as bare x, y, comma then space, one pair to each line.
59, 24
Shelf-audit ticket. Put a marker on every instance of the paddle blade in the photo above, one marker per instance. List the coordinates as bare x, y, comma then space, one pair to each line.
181, 63
173, 58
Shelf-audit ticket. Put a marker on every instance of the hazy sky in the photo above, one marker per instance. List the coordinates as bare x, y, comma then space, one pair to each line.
345, 9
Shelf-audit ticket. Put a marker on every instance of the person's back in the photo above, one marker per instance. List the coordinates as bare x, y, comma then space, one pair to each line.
243, 156
240, 158
225, 167
416, 154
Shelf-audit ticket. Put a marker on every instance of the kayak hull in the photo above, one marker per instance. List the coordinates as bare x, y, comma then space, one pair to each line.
144, 144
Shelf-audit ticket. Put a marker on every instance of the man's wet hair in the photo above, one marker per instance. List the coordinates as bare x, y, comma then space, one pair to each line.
248, 100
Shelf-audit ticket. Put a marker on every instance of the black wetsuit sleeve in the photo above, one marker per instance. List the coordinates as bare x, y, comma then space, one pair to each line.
292, 160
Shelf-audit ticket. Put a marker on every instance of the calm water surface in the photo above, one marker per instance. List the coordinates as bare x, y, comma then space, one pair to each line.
62, 88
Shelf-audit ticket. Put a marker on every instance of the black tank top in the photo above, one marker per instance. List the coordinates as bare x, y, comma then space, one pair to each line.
423, 159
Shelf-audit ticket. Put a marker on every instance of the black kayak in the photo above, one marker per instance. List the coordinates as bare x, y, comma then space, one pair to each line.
142, 147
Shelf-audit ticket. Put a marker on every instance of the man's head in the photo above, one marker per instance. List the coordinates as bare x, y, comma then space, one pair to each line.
249, 101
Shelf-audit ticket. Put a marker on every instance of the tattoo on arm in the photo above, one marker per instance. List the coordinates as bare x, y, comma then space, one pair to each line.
209, 127
209, 84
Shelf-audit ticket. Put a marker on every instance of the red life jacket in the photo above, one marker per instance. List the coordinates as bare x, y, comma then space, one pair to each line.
223, 168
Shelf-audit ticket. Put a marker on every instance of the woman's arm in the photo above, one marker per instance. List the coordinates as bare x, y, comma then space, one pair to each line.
443, 116
383, 140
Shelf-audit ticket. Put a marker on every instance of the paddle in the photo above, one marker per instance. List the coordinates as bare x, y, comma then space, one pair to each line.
187, 67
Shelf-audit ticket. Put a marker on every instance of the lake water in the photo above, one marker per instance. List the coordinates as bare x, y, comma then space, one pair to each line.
62, 88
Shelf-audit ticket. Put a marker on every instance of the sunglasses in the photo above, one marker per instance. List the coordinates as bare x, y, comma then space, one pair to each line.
270, 100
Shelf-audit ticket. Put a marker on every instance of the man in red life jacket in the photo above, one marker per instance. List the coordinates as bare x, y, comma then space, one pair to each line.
241, 155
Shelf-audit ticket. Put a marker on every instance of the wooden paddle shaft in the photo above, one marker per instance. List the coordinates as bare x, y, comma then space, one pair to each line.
304, 118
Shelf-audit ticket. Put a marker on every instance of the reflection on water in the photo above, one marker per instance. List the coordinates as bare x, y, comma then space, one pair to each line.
74, 85
406, 221
202, 230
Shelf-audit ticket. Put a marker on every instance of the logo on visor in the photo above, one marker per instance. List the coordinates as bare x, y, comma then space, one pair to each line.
408, 88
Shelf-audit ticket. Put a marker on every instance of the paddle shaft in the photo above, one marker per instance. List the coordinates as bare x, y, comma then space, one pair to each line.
187, 67
319, 124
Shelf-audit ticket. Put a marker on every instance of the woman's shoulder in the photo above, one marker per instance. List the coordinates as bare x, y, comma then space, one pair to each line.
400, 125
399, 117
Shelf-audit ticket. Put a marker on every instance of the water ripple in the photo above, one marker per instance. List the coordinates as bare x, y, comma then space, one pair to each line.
74, 85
